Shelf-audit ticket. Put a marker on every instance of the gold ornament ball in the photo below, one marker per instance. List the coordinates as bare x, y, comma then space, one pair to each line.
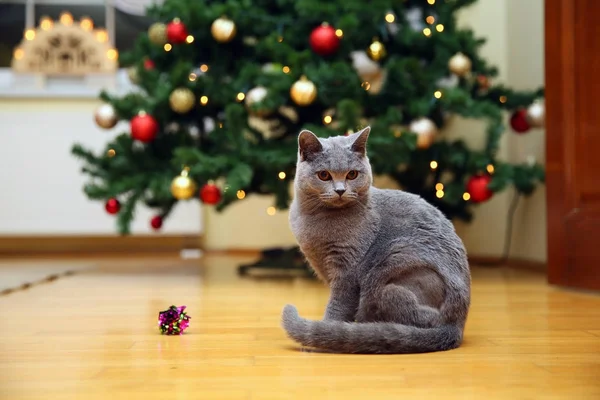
536, 114
223, 30
133, 75
425, 130
106, 116
376, 51
183, 187
459, 64
182, 100
303, 91
158, 33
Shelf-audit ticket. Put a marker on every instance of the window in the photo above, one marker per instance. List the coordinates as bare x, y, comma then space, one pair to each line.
12, 25
13, 22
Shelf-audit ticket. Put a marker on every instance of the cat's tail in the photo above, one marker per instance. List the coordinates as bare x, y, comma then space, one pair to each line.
372, 337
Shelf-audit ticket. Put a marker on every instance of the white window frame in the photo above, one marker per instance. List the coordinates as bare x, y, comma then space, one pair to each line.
14, 85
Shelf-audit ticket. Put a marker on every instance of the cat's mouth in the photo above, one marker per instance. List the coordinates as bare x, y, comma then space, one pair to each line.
337, 201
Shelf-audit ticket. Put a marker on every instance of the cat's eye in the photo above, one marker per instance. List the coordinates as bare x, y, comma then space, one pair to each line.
324, 175
352, 174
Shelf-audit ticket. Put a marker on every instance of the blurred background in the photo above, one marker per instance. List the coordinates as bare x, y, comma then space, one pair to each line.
42, 194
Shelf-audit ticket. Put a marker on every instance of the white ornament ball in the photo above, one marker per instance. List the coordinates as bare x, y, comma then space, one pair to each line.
366, 68
536, 114
256, 95
425, 130
106, 116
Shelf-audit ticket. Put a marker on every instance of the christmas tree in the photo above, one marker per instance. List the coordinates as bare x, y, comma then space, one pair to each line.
224, 88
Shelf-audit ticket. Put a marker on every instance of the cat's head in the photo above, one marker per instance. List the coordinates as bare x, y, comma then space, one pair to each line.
333, 172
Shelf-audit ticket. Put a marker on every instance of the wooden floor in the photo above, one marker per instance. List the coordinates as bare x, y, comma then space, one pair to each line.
93, 335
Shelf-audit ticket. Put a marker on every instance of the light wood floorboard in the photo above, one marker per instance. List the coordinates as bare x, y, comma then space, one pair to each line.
93, 335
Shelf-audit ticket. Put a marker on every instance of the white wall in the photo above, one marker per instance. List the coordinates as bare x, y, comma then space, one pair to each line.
525, 70
41, 184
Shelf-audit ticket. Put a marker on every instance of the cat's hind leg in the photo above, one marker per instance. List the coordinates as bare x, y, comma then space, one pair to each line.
395, 303
409, 294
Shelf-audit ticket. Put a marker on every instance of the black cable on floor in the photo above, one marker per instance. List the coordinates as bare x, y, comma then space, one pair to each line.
508, 233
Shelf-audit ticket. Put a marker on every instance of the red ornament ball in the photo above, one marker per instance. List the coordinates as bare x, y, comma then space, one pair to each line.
144, 128
210, 194
156, 222
477, 187
518, 121
148, 64
176, 32
112, 206
324, 41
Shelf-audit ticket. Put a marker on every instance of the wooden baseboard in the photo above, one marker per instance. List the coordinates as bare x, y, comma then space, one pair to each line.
97, 245
518, 263
142, 245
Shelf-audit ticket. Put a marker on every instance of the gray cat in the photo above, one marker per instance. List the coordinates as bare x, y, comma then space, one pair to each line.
397, 271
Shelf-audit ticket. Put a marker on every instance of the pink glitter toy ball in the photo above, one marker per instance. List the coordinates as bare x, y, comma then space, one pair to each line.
173, 321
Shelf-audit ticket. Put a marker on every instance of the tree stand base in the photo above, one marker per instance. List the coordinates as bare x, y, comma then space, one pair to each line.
279, 260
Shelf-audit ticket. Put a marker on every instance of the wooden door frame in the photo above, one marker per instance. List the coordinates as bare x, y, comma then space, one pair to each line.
560, 118
569, 211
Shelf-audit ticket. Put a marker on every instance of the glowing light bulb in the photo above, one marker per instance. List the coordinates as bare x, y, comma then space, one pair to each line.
66, 18
339, 33
282, 175
490, 168
111, 152
286, 70
192, 77
432, 2
389, 18
439, 194
430, 19
19, 54
466, 196
427, 32
240, 96
102, 36
439, 186
30, 34
433, 165
189, 39
86, 24
46, 23
327, 119
112, 54
503, 99
167, 47
437, 94
204, 68
204, 100
271, 211
439, 27
240, 194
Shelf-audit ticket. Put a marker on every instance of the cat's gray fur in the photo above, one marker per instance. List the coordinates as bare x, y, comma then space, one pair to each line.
397, 271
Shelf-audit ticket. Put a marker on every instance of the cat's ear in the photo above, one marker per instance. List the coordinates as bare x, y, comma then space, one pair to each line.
360, 140
308, 145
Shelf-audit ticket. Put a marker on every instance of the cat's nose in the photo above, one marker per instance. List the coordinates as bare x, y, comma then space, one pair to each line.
340, 191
